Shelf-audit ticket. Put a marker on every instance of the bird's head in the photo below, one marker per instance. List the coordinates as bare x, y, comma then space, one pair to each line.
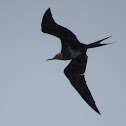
58, 57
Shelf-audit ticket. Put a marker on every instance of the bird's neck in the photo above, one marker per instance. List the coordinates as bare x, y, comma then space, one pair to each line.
61, 56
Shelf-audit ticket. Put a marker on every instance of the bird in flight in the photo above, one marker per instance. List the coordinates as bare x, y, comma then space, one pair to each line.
75, 51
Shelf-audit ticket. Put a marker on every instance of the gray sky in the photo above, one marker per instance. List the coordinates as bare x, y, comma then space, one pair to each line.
34, 92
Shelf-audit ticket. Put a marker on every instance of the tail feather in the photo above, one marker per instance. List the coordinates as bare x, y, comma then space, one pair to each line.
98, 43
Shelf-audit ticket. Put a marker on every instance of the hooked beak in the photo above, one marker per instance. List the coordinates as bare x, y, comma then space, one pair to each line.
50, 59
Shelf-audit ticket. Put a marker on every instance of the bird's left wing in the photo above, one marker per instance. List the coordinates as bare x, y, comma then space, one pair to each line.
49, 26
74, 72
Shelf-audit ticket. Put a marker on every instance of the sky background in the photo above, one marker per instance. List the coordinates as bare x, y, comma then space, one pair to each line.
34, 92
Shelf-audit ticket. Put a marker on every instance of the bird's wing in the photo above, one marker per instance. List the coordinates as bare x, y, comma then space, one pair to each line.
49, 26
74, 72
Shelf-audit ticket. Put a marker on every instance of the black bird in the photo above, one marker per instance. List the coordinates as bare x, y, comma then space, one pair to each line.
72, 50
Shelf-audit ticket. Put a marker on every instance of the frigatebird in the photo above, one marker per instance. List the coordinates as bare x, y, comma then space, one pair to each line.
75, 51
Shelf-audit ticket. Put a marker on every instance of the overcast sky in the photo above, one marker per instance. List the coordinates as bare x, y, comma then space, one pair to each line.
34, 92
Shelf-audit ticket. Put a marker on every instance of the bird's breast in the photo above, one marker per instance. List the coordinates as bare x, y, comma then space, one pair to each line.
74, 53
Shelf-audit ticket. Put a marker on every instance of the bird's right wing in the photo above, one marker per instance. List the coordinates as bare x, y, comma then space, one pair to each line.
49, 26
74, 72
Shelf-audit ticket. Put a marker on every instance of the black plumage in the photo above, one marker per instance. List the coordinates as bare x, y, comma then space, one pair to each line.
75, 51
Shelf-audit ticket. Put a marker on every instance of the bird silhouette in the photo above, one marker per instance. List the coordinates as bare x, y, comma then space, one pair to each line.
75, 51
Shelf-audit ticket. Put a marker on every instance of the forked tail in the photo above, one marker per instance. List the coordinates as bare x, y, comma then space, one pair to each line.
98, 43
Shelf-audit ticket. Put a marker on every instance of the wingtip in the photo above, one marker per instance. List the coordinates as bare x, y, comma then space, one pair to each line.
48, 10
46, 19
96, 109
98, 112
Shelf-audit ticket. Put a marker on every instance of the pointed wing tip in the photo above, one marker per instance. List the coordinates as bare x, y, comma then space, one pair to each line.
45, 19
95, 109
98, 112
92, 104
48, 10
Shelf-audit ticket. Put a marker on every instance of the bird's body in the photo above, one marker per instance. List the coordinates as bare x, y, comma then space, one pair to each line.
72, 50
